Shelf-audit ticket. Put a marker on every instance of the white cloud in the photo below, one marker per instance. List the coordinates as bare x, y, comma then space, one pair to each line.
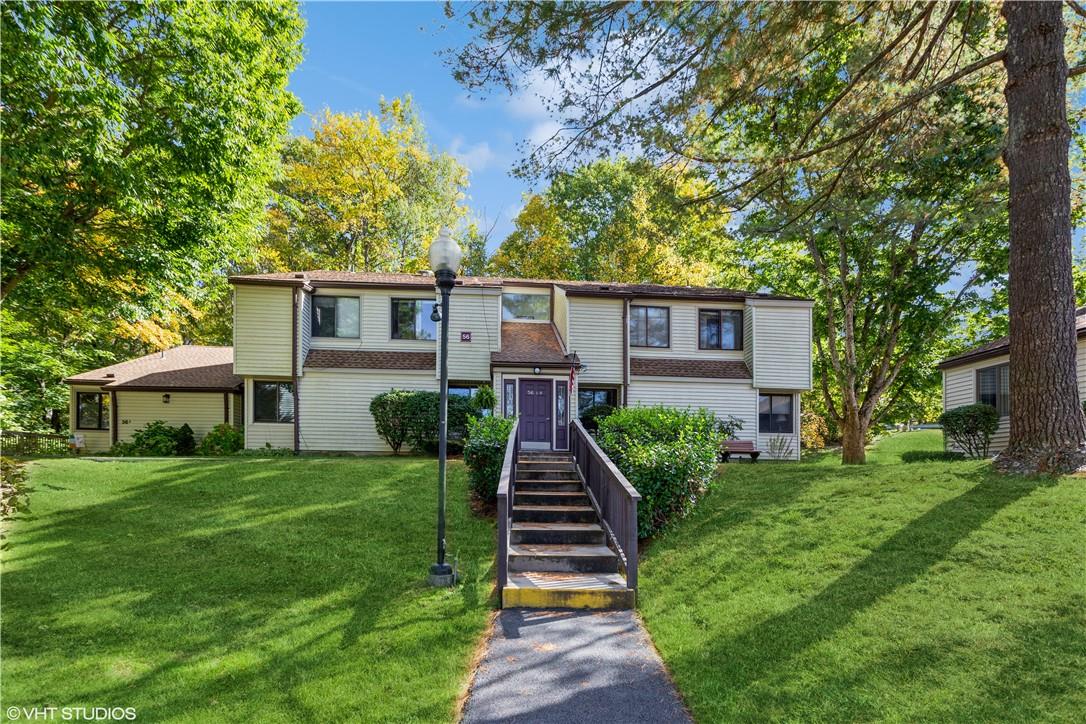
543, 131
476, 157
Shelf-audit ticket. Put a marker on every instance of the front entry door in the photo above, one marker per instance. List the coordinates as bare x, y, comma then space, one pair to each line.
535, 411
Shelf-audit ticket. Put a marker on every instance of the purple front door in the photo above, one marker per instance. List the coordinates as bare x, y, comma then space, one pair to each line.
535, 411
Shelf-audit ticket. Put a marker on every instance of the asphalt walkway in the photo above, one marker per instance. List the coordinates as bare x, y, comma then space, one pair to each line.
569, 667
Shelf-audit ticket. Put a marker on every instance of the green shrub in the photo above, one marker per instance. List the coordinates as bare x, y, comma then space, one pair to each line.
971, 427
591, 417
223, 439
729, 426
389, 410
411, 417
155, 439
484, 453
185, 440
123, 450
668, 455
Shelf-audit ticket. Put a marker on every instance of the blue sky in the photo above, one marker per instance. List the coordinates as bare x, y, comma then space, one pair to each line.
358, 52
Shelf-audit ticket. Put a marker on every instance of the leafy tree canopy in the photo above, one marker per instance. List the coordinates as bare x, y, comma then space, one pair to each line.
621, 220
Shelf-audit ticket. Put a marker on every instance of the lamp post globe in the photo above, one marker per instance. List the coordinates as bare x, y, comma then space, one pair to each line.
445, 257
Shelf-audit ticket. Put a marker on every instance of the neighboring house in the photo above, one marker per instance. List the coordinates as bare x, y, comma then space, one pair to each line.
982, 375
187, 384
314, 348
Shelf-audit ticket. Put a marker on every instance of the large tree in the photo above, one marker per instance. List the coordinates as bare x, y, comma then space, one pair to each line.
364, 192
757, 92
621, 220
137, 143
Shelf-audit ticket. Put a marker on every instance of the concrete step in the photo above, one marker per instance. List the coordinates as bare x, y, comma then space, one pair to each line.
554, 514
550, 497
567, 590
553, 485
562, 558
567, 533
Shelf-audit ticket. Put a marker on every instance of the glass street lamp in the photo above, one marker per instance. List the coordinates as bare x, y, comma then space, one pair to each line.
445, 262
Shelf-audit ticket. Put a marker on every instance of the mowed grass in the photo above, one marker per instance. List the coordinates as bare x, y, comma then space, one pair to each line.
270, 590
933, 591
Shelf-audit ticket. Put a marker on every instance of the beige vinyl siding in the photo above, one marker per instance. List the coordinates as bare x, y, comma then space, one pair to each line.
305, 327
262, 330
596, 335
477, 312
335, 407
960, 388
237, 411
561, 314
782, 346
260, 434
93, 440
720, 398
765, 438
748, 337
684, 332
199, 410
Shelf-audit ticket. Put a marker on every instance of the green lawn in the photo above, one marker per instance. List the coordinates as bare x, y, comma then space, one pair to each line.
898, 592
271, 590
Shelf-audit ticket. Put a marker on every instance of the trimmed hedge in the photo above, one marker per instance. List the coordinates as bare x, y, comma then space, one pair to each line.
971, 427
411, 417
668, 455
484, 453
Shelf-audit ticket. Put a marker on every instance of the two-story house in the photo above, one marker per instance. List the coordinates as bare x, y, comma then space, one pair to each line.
314, 348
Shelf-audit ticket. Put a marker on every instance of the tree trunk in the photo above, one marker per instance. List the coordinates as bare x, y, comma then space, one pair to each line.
1048, 430
853, 439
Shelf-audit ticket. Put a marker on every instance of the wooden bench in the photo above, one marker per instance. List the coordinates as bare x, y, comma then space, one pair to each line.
735, 448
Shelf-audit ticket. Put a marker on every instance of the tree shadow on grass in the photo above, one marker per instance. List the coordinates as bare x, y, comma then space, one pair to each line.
262, 589
744, 660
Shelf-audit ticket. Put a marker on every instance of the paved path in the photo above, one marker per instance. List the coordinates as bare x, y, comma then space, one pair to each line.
568, 667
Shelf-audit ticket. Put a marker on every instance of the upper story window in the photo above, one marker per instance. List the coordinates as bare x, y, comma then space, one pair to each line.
650, 326
994, 388
775, 414
273, 402
335, 316
91, 411
720, 329
411, 319
526, 306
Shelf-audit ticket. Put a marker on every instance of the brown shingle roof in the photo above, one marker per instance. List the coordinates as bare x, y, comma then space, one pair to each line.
1002, 346
709, 368
594, 288
369, 360
188, 367
530, 343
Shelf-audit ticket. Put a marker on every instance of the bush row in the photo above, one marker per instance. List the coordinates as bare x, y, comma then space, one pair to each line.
157, 439
484, 453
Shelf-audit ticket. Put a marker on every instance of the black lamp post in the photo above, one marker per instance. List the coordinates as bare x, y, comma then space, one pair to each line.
444, 261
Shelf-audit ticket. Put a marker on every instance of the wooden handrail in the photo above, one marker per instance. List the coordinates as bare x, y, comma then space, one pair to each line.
614, 499
506, 490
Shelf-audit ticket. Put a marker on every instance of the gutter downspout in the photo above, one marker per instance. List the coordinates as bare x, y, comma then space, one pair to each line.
294, 361
114, 418
625, 351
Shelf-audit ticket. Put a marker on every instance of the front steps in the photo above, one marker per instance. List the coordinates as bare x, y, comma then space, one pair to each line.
558, 553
